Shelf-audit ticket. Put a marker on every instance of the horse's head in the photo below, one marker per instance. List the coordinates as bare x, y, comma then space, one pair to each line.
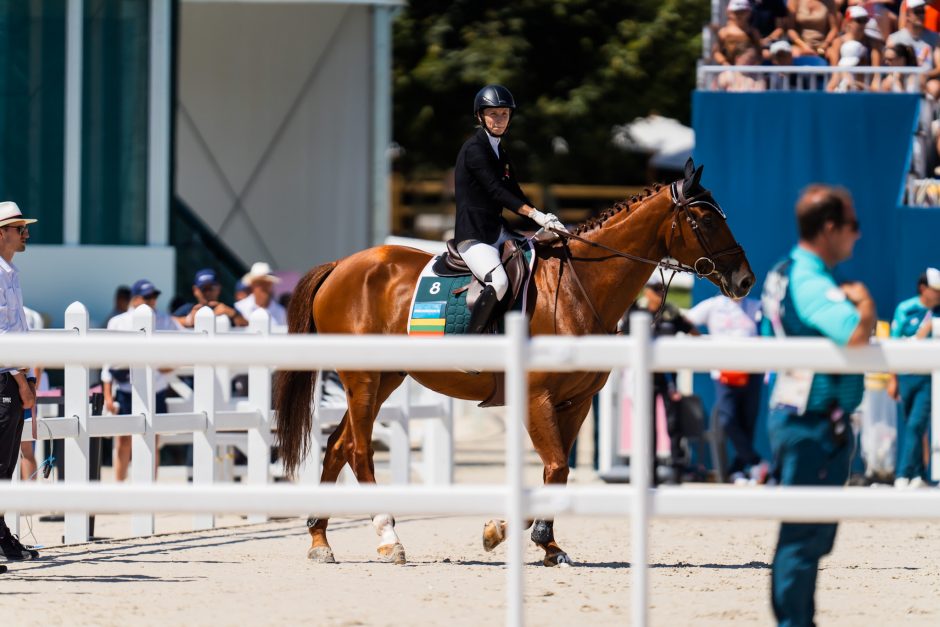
699, 237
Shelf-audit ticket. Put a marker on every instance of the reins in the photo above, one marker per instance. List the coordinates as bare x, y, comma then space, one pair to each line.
680, 204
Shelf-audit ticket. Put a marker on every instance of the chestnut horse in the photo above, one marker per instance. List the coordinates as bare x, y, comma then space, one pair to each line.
583, 287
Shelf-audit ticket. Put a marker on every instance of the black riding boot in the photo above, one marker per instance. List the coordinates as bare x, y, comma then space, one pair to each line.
482, 310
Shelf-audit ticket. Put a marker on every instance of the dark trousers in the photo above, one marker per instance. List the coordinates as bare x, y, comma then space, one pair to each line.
915, 411
673, 426
11, 430
124, 399
737, 409
805, 453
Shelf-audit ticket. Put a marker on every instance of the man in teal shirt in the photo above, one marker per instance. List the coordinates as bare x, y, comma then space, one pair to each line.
809, 422
913, 319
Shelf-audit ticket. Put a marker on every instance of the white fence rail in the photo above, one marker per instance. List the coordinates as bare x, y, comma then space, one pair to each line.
516, 355
804, 78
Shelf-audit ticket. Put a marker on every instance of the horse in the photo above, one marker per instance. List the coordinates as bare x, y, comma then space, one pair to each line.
580, 286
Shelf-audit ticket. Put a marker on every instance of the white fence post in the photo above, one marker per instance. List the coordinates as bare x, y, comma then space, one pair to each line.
517, 410
143, 403
311, 467
607, 428
259, 399
641, 457
399, 445
205, 396
76, 406
437, 449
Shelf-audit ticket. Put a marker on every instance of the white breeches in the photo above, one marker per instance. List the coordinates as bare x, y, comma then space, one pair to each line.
483, 261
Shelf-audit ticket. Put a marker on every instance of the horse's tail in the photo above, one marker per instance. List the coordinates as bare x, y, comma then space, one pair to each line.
293, 389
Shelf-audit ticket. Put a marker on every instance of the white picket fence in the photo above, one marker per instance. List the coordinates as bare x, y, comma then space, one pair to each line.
513, 353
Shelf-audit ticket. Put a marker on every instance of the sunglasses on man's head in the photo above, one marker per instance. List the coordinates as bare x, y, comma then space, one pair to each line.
920, 12
21, 229
860, 20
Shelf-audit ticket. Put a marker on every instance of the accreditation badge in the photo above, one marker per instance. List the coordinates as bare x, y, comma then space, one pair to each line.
791, 390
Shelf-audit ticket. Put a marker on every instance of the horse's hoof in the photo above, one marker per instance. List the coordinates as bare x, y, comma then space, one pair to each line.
394, 553
558, 559
494, 532
321, 555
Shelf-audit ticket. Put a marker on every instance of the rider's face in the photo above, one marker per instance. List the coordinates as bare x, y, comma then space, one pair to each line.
497, 120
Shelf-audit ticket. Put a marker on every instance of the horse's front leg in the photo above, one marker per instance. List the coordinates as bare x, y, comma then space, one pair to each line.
552, 432
553, 436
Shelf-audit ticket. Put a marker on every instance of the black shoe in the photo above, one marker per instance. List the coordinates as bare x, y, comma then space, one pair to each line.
16, 551
3, 569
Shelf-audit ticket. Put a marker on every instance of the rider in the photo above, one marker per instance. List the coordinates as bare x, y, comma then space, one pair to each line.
485, 184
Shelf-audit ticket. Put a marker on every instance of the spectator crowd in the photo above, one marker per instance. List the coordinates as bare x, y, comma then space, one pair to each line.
838, 33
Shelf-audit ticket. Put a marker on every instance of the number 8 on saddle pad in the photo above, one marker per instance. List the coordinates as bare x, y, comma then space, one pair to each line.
436, 311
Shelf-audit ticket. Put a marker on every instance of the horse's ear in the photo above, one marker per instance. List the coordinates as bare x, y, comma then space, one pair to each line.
689, 168
692, 180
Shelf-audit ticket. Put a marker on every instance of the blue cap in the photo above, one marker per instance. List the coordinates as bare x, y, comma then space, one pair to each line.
205, 277
143, 287
240, 286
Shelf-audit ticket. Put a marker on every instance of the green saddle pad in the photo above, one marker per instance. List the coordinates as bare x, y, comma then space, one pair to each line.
438, 311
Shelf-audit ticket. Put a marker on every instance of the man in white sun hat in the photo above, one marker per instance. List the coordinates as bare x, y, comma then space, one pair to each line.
17, 391
260, 281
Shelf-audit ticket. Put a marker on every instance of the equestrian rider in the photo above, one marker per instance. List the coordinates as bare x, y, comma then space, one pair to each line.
485, 183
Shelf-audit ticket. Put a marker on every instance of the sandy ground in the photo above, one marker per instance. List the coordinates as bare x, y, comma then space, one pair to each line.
703, 573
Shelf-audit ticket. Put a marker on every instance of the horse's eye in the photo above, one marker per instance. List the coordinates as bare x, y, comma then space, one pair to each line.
708, 222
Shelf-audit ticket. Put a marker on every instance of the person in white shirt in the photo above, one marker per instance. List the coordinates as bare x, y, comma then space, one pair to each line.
17, 390
737, 394
28, 465
261, 282
116, 379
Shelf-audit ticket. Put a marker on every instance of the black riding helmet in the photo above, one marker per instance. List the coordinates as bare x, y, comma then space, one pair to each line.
490, 97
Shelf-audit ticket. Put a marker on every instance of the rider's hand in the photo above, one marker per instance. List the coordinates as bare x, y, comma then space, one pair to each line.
548, 221
544, 236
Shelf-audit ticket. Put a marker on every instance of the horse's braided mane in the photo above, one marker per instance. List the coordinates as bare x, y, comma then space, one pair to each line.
623, 205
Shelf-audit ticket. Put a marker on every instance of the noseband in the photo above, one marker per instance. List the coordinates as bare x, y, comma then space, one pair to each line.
681, 205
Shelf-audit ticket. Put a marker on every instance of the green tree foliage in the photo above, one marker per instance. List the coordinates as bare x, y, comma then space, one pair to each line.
576, 68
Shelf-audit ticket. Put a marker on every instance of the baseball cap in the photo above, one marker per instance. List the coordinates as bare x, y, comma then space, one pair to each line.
851, 53
205, 277
915, 4
739, 5
781, 45
855, 12
143, 287
933, 278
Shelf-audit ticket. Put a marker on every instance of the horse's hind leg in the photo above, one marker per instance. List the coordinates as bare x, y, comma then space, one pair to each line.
333, 461
366, 391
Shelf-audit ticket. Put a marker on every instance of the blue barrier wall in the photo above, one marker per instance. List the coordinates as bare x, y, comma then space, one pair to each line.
759, 150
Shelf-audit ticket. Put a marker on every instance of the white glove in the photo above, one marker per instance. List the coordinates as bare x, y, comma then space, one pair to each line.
548, 221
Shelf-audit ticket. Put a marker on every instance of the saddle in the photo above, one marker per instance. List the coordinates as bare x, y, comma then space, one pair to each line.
510, 255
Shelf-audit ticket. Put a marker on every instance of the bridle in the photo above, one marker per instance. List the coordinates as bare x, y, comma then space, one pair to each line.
680, 208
